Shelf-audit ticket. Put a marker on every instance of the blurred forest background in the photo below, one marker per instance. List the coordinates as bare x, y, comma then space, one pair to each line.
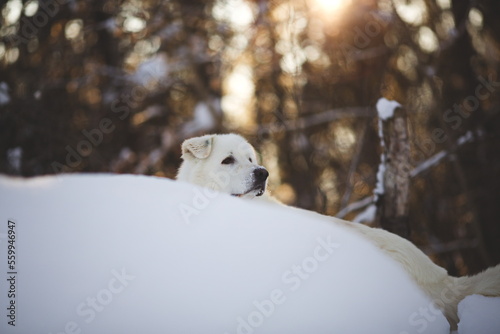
116, 86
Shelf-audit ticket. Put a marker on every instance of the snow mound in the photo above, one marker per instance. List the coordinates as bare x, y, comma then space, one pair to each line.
135, 254
479, 315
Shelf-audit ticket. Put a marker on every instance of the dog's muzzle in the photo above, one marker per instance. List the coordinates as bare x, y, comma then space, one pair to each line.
260, 176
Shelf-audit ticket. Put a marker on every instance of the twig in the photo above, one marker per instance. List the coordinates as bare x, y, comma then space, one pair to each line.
438, 248
436, 158
354, 166
355, 206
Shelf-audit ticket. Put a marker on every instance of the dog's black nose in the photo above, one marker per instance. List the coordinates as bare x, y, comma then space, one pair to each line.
260, 174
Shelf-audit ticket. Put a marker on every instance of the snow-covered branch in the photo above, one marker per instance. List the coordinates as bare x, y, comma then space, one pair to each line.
438, 157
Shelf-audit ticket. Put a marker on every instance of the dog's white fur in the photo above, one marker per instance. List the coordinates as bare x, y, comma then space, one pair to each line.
203, 166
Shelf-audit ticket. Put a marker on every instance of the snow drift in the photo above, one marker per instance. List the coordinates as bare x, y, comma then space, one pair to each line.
134, 254
479, 315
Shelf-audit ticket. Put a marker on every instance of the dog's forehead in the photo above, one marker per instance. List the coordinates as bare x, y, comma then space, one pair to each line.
233, 145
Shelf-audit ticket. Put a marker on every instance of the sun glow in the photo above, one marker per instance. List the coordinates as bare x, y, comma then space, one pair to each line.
331, 5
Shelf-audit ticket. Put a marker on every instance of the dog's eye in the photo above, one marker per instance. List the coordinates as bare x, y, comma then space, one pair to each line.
228, 161
250, 159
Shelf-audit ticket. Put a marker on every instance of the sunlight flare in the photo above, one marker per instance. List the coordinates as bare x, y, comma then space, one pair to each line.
332, 5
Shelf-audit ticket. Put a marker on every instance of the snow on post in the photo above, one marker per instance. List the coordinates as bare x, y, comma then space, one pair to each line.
385, 111
385, 108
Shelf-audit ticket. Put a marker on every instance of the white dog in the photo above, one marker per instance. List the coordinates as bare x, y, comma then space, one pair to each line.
228, 163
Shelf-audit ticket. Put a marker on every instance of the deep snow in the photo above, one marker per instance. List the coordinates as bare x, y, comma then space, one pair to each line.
479, 315
130, 254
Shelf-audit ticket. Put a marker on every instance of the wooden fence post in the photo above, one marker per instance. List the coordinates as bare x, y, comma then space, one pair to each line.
392, 211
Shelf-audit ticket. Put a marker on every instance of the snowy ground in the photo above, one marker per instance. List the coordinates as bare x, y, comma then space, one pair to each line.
479, 315
134, 254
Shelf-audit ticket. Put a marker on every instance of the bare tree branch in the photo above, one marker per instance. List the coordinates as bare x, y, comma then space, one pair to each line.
355, 206
318, 119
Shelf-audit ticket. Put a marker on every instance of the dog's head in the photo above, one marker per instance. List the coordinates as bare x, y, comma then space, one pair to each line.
226, 163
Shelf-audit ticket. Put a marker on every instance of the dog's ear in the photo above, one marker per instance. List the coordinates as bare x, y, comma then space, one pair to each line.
199, 147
